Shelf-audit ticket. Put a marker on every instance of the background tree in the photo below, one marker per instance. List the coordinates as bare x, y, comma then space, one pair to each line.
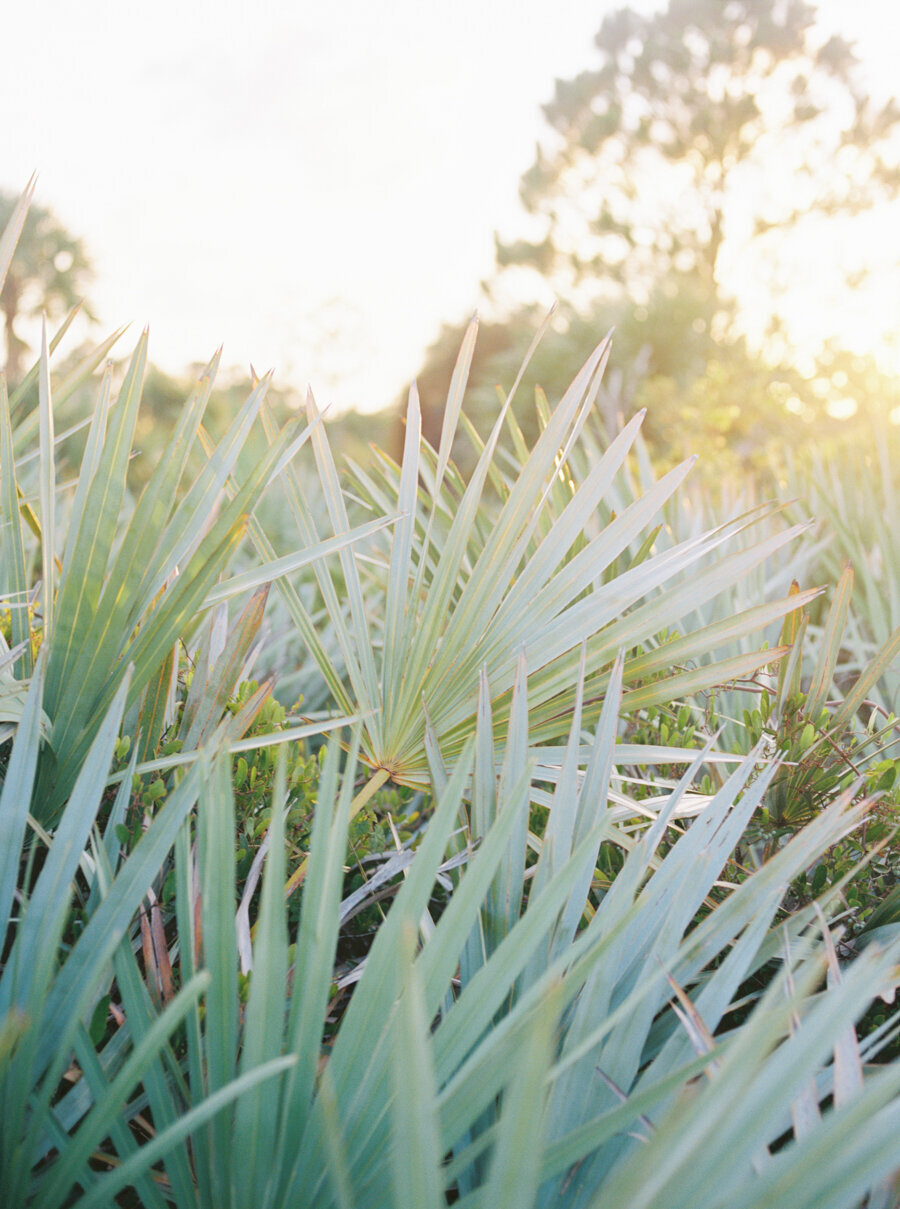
48, 273
706, 124
707, 135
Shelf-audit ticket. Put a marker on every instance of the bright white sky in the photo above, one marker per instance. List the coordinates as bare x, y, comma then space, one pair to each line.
315, 185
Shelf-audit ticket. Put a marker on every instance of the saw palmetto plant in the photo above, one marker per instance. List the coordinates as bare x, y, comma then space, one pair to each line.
509, 1057
515, 560
113, 585
519, 1030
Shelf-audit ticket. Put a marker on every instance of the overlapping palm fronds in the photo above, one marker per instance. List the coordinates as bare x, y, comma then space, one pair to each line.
120, 585
470, 582
522, 1037
568, 1065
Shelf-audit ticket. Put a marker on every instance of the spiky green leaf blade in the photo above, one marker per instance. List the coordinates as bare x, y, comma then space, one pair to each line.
113, 617
555, 656
357, 635
219, 957
13, 545
216, 688
166, 1090
507, 890
716, 635
666, 906
47, 491
257, 1113
249, 581
416, 1150
65, 389
560, 830
680, 1157
544, 585
74, 1159
504, 548
13, 229
104, 930
355, 1067
316, 943
16, 795
608, 602
29, 984
873, 672
180, 547
851, 1153
830, 645
429, 660
518, 1148
188, 903
187, 1125
452, 415
303, 514
301, 619
462, 1063
145, 653
436, 965
718, 993
90, 463
97, 524
455, 395
123, 1141
683, 684
29, 969
562, 1157
162, 532
175, 534
290, 734
338, 1165
153, 709
848, 1070
593, 796
490, 927
399, 604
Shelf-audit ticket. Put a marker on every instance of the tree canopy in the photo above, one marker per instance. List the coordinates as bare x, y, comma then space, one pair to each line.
48, 273
706, 134
705, 124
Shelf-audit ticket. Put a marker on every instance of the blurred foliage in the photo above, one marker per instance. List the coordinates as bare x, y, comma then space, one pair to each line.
715, 398
857, 526
654, 151
164, 396
49, 272
637, 198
